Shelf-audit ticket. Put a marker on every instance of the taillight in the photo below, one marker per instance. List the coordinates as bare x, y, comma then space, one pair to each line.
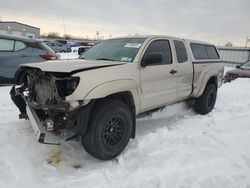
49, 56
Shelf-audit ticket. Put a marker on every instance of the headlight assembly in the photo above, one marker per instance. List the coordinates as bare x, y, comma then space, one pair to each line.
67, 86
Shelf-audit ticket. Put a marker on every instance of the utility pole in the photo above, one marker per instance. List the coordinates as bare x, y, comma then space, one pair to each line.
64, 28
97, 35
247, 40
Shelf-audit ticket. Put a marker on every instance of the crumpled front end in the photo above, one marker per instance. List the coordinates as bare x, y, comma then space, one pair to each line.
44, 95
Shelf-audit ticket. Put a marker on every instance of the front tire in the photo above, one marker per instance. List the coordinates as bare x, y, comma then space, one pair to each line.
109, 130
205, 103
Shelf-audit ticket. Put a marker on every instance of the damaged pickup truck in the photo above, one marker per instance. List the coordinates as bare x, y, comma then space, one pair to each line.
100, 94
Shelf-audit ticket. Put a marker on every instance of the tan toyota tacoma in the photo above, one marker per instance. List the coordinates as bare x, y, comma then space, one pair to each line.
100, 95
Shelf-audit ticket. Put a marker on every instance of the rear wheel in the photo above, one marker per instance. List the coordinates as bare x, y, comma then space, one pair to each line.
109, 130
205, 103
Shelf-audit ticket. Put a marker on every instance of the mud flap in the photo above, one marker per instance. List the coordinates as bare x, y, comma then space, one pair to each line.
18, 100
83, 119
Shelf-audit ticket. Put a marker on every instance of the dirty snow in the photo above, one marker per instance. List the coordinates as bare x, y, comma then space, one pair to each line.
173, 148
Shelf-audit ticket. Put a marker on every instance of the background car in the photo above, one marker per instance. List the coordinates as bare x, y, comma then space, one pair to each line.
81, 46
80, 43
241, 71
16, 50
61, 41
57, 47
66, 43
80, 49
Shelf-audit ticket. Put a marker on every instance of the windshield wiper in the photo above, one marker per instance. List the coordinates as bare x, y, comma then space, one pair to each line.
106, 59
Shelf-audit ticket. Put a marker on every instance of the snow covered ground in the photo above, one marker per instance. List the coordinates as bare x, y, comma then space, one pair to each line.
173, 148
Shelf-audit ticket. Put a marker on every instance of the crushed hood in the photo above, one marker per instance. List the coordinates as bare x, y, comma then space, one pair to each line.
68, 66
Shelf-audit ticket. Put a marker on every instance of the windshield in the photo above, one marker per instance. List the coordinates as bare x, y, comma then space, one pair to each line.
246, 65
114, 50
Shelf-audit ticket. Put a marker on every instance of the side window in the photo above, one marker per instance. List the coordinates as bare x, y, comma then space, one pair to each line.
19, 45
204, 51
199, 51
181, 51
49, 44
6, 45
162, 47
212, 52
58, 45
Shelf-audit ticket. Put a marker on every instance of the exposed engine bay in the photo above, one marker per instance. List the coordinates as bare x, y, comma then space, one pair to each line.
45, 93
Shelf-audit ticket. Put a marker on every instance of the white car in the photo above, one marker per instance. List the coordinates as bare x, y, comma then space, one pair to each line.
80, 49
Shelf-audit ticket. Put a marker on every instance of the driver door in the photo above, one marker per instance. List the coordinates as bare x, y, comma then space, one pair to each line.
158, 80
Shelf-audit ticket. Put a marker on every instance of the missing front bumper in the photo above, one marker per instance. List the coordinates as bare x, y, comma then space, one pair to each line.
40, 130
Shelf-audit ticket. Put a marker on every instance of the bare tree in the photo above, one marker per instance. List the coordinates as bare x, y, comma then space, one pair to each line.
53, 35
229, 44
67, 36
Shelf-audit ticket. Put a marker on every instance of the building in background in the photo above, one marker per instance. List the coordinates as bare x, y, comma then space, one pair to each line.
233, 56
20, 29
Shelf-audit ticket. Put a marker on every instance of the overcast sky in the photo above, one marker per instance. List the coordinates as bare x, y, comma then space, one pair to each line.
217, 21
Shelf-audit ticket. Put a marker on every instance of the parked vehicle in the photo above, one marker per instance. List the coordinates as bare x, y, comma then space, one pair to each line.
16, 50
80, 49
241, 71
101, 94
81, 46
80, 43
61, 41
68, 44
57, 47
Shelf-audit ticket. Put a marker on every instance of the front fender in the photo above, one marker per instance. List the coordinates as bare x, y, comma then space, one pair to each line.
116, 86
111, 87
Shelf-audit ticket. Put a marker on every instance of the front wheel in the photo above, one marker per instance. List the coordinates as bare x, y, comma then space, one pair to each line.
109, 130
205, 103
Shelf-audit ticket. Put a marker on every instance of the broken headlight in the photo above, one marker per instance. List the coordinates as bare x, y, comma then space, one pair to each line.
67, 86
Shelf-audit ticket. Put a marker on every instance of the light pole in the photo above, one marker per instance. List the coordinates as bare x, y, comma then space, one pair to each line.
247, 41
97, 35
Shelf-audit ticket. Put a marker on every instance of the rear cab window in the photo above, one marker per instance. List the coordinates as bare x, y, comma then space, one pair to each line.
204, 51
212, 52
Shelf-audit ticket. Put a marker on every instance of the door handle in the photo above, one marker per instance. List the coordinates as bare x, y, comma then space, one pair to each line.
24, 55
173, 71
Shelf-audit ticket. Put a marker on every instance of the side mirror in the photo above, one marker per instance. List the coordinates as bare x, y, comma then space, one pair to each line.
151, 59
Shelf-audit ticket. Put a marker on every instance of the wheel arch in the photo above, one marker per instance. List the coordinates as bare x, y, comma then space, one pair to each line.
124, 96
208, 80
124, 87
